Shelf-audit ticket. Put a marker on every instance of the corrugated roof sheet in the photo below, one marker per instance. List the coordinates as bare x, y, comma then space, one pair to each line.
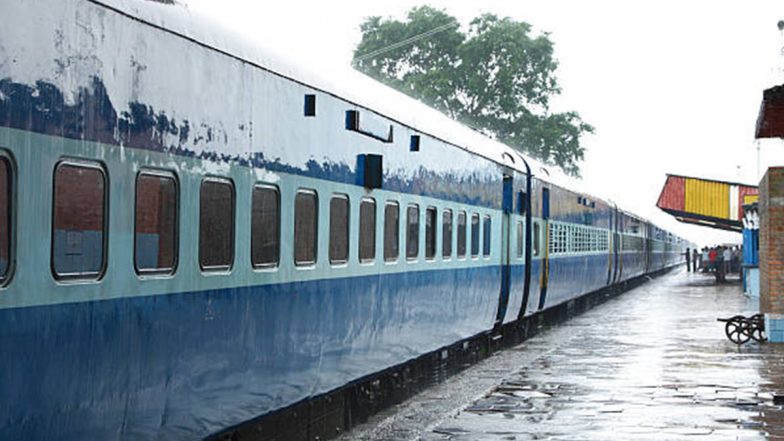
713, 203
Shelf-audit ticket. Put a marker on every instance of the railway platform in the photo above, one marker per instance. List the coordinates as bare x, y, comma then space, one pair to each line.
650, 364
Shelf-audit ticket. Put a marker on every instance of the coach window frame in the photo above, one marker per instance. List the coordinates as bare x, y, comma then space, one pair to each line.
82, 277
11, 168
392, 259
431, 233
158, 272
367, 241
536, 248
411, 258
305, 264
487, 236
476, 235
268, 266
219, 269
447, 213
341, 260
462, 231
519, 239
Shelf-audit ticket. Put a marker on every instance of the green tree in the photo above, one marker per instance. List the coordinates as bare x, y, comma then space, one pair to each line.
496, 78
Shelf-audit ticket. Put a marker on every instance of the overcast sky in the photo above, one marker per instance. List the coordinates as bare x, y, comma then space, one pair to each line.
671, 86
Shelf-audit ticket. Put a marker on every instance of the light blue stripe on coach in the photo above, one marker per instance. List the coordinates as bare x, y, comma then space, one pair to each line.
32, 283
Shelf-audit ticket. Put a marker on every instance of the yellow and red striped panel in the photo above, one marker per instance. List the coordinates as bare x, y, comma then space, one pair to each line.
705, 198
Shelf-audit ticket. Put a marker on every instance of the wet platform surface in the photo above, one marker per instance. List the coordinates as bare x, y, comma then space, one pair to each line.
650, 364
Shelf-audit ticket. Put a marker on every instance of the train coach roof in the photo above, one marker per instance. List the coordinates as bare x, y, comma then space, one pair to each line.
350, 85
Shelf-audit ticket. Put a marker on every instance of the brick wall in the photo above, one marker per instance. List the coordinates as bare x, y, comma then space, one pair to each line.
771, 241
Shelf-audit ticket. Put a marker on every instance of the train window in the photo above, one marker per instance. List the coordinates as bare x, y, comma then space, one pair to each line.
391, 231
338, 229
412, 232
537, 239
265, 227
431, 219
367, 230
461, 234
520, 238
521, 202
305, 227
486, 230
155, 235
446, 234
6, 221
79, 221
216, 224
474, 235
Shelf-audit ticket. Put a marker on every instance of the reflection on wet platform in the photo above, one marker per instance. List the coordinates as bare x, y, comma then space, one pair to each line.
651, 364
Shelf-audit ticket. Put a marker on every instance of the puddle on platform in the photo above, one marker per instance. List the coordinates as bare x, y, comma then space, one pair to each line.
652, 364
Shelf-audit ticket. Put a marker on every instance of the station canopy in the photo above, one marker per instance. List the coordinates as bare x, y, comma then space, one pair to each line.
710, 203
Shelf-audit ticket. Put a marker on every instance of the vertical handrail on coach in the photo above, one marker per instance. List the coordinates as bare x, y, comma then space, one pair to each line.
545, 273
528, 241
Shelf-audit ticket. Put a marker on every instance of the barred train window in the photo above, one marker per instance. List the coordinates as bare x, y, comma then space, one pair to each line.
367, 230
265, 227
520, 238
155, 235
576, 239
461, 234
474, 235
431, 217
446, 234
6, 188
305, 227
486, 230
338, 229
412, 232
79, 221
391, 231
216, 224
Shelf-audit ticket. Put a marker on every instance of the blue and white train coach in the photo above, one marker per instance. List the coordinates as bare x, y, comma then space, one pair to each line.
194, 234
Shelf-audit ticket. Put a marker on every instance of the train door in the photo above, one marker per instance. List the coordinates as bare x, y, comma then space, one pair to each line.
616, 245
545, 263
506, 225
609, 248
611, 254
648, 246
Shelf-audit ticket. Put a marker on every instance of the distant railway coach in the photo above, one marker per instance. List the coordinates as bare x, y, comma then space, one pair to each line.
194, 234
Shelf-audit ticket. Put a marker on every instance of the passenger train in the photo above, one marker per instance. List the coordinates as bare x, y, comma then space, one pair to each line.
195, 234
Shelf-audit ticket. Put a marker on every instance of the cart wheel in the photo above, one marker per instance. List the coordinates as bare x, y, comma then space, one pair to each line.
758, 328
737, 330
758, 335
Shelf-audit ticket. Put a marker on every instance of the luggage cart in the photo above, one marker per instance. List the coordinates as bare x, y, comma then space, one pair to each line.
740, 329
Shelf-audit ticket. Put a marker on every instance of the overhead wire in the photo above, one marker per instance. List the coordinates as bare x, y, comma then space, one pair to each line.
402, 43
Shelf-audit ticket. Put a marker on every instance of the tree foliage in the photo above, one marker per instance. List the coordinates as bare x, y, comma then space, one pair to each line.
496, 77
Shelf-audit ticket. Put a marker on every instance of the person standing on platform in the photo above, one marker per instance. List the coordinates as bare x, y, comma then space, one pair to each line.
727, 255
712, 254
704, 260
719, 265
694, 256
688, 259
736, 256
